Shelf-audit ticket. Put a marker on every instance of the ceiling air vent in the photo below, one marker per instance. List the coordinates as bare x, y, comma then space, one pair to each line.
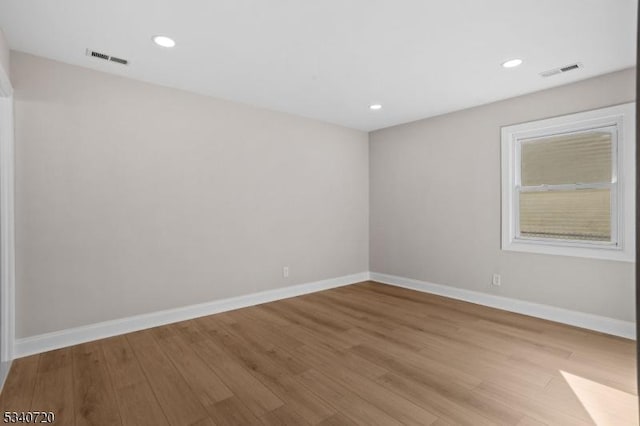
106, 57
119, 60
561, 70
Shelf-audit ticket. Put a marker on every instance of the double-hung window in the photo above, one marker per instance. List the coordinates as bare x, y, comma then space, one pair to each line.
568, 185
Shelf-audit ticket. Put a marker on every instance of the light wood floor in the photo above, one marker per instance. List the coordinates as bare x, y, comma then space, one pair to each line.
366, 354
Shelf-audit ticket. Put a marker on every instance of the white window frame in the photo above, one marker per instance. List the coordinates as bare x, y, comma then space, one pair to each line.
7, 235
620, 121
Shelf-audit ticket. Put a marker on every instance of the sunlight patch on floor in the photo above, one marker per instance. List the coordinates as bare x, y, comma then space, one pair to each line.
607, 406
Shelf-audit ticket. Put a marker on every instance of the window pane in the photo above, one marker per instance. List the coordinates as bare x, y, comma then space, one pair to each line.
583, 214
578, 158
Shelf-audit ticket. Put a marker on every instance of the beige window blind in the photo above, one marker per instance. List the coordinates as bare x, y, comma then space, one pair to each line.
578, 158
566, 187
583, 214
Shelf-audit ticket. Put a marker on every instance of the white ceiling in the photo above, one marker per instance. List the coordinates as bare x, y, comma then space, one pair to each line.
331, 59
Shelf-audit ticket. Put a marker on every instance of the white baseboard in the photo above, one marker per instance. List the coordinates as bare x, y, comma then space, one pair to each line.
60, 339
73, 336
602, 324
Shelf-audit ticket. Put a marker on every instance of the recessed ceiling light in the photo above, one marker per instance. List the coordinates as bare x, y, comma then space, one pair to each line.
512, 63
375, 107
163, 41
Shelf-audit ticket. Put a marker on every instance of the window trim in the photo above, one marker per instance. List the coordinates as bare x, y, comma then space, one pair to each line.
622, 119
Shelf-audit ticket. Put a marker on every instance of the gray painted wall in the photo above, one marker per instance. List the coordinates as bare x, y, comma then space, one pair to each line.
435, 205
132, 198
4, 53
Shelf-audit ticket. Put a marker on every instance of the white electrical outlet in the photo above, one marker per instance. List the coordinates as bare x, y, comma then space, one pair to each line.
285, 272
496, 279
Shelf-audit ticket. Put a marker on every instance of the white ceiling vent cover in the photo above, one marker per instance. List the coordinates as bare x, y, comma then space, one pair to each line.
106, 57
561, 70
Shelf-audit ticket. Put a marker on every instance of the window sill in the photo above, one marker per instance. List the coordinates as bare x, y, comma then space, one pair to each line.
597, 252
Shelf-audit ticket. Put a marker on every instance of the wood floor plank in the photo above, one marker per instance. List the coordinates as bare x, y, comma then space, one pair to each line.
205, 422
308, 336
379, 351
179, 404
346, 400
319, 355
139, 407
391, 403
556, 365
284, 416
337, 420
273, 373
323, 307
443, 422
136, 401
453, 386
312, 314
253, 393
309, 406
533, 408
199, 376
509, 343
346, 313
453, 310
264, 324
277, 351
558, 391
303, 327
54, 386
528, 421
94, 398
390, 314
18, 389
481, 363
451, 408
121, 361
363, 354
232, 412
578, 395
